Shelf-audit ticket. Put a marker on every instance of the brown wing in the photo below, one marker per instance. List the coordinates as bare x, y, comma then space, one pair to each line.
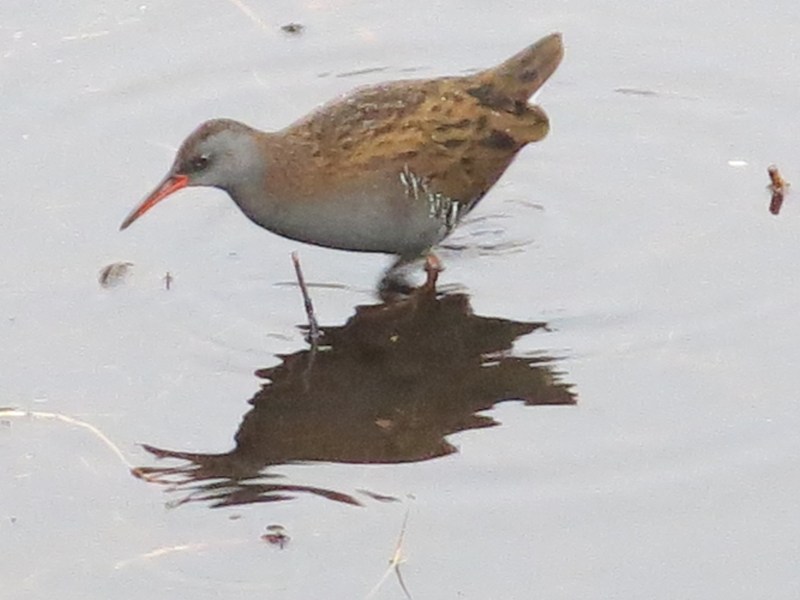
457, 133
442, 130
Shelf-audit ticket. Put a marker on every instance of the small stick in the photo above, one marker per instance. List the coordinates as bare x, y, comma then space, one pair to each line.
313, 327
779, 187
395, 562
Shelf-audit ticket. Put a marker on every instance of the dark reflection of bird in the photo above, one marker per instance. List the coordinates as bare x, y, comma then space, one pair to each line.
388, 386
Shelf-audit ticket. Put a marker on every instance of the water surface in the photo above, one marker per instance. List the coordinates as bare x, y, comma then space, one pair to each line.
617, 418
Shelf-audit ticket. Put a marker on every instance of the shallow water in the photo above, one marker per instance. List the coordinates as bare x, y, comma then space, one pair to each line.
625, 272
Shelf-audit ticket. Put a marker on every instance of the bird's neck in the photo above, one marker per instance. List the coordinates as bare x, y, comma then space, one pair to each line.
266, 193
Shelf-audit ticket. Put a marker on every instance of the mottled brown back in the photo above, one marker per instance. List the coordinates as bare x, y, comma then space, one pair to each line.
458, 133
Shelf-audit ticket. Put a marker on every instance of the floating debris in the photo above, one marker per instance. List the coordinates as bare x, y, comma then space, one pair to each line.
635, 91
778, 186
114, 274
293, 28
276, 535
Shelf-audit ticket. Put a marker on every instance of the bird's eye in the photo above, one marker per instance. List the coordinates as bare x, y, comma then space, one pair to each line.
198, 163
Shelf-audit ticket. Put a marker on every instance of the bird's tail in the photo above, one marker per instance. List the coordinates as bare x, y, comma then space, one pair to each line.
520, 76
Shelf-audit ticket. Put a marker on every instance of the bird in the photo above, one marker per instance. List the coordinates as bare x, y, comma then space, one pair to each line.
389, 168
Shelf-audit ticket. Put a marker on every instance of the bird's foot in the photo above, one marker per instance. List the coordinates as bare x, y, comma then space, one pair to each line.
396, 284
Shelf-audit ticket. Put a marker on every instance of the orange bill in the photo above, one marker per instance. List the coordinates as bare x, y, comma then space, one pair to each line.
170, 185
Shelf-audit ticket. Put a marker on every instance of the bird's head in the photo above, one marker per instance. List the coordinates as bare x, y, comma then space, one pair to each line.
217, 154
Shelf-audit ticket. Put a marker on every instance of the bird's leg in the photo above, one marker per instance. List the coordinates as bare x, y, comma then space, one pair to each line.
433, 266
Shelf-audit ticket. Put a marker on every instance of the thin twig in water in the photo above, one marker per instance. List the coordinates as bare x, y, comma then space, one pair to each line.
313, 327
395, 562
12, 412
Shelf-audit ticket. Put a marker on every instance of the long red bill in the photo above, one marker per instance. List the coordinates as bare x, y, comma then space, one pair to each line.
170, 185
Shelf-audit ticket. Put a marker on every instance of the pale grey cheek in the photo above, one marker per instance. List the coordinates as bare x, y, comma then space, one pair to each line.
207, 178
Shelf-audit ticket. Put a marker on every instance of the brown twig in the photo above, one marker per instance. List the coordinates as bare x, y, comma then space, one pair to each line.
313, 327
779, 186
